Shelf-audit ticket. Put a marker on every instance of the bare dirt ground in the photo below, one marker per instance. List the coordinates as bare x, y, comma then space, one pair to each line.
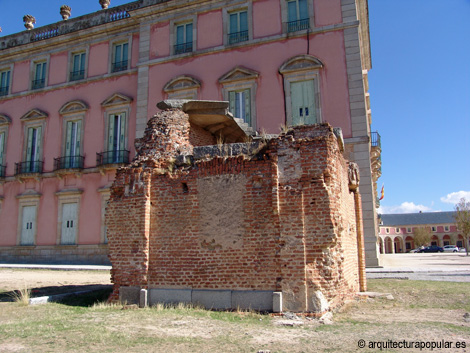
11, 279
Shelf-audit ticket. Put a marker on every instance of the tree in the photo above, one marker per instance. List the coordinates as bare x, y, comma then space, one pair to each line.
422, 236
462, 219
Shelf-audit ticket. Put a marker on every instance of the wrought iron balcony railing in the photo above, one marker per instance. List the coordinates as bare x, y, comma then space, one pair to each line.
119, 66
77, 75
238, 37
298, 25
112, 157
38, 83
183, 48
69, 162
375, 139
28, 167
2, 170
3, 91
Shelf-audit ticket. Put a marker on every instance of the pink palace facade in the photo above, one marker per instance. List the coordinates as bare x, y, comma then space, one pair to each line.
75, 94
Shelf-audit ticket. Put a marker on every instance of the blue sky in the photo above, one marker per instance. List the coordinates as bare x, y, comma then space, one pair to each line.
419, 86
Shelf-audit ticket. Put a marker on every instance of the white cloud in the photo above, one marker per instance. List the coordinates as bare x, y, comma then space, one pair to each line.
454, 197
405, 207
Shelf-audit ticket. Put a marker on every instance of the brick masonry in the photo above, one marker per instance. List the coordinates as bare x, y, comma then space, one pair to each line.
276, 215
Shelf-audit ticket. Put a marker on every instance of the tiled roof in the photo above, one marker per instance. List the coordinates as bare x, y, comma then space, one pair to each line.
417, 218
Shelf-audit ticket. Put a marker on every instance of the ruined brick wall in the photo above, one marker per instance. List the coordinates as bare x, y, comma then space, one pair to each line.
276, 217
200, 137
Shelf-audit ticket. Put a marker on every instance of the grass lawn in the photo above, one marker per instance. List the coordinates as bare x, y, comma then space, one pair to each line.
421, 311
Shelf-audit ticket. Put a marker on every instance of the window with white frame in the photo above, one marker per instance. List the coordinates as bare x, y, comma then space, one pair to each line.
120, 57
397, 230
238, 27
4, 123
4, 82
117, 108
239, 89
77, 69
446, 228
39, 75
302, 90
387, 230
182, 87
184, 38
297, 15
433, 228
409, 230
34, 127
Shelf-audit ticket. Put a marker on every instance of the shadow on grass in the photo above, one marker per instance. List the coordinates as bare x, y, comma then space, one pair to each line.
84, 295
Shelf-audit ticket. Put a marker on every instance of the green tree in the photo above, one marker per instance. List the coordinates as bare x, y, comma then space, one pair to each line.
422, 236
462, 219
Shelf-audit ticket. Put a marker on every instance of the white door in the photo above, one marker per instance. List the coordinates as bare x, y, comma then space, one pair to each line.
28, 227
69, 224
303, 103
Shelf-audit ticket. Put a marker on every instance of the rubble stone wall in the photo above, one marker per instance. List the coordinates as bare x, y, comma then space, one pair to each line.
278, 217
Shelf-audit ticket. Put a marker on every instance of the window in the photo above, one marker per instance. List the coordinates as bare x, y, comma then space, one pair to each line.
120, 57
397, 230
433, 228
387, 230
446, 228
39, 80
302, 90
184, 38
116, 137
72, 144
240, 104
78, 66
297, 15
408, 230
238, 27
117, 110
4, 82
33, 150
2, 152
182, 87
239, 89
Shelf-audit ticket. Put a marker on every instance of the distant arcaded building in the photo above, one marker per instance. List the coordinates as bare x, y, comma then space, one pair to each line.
396, 230
74, 95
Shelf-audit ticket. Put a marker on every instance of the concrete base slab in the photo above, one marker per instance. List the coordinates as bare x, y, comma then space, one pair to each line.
169, 296
129, 295
255, 300
212, 299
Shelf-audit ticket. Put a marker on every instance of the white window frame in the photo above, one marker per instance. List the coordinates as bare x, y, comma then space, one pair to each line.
4, 124
397, 230
284, 16
72, 54
68, 196
446, 228
174, 23
239, 79
387, 230
247, 6
409, 229
10, 83
34, 63
182, 87
297, 73
111, 59
433, 228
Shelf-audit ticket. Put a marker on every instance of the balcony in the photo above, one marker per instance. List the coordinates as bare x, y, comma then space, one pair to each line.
183, 48
77, 75
36, 84
119, 66
68, 162
29, 168
238, 37
111, 158
298, 25
4, 91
